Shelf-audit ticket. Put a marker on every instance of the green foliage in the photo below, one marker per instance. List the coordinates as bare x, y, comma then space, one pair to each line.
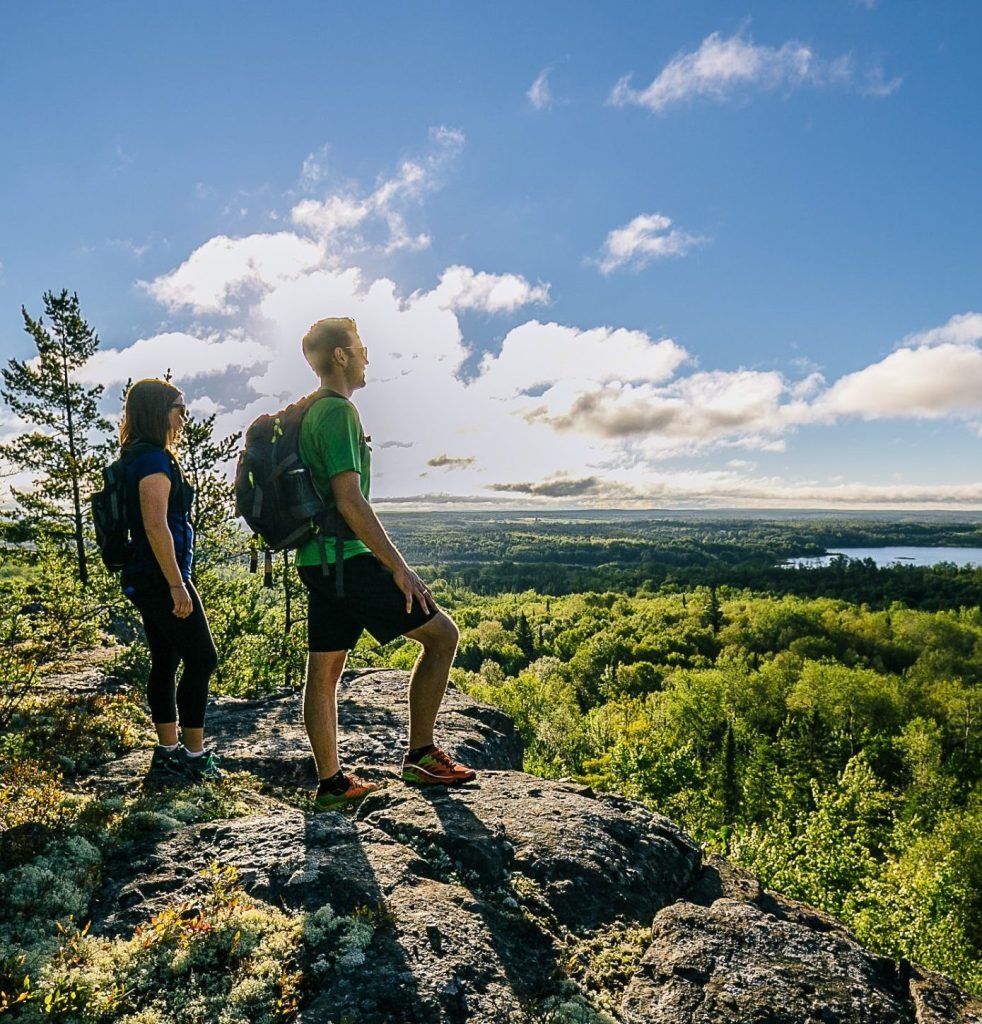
68, 445
31, 793
831, 748
213, 512
543, 704
17, 664
257, 654
75, 733
562, 553
925, 902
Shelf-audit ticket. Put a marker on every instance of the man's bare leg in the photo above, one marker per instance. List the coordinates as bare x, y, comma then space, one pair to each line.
320, 708
428, 681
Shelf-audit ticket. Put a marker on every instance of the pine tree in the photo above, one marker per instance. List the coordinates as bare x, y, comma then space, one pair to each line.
524, 637
213, 512
64, 452
731, 781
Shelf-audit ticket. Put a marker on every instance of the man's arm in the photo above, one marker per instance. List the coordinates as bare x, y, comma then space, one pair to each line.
361, 517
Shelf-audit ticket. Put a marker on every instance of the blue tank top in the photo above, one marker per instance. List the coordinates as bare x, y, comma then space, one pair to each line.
142, 570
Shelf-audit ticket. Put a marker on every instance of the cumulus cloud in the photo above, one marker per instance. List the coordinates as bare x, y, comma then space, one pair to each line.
687, 414
644, 239
720, 68
539, 93
461, 288
558, 413
224, 273
928, 382
963, 329
185, 354
553, 360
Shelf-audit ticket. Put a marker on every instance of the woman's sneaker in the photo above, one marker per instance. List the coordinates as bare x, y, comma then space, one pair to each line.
355, 790
205, 767
434, 767
168, 765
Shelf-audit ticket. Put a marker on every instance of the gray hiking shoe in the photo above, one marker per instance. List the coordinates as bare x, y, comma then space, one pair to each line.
203, 768
168, 765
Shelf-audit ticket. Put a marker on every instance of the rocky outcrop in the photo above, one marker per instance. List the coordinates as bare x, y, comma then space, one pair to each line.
492, 892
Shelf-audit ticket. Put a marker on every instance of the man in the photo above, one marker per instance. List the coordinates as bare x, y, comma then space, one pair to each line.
381, 593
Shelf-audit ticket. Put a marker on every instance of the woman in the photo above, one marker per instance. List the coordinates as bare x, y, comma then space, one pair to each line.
157, 579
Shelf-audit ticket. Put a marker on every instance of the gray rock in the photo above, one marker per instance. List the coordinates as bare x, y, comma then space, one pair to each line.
737, 952
481, 892
482, 884
267, 736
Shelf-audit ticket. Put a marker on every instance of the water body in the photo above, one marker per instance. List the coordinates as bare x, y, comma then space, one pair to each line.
895, 556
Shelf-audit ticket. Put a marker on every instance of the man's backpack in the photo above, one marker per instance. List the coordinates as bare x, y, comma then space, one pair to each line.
112, 530
275, 491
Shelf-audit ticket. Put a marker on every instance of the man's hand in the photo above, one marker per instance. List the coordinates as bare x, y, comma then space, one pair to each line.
414, 588
360, 516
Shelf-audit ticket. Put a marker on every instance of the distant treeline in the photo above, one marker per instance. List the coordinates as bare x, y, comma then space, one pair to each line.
491, 555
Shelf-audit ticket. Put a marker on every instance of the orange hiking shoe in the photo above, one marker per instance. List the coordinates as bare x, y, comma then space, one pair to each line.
435, 768
355, 791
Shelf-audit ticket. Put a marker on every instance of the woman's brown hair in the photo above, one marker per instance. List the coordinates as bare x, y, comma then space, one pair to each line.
146, 415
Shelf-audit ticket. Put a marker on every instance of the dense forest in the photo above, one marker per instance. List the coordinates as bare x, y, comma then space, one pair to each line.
820, 726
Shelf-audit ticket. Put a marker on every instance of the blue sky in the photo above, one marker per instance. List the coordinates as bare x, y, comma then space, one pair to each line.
637, 254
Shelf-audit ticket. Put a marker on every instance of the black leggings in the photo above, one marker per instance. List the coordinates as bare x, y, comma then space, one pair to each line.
172, 640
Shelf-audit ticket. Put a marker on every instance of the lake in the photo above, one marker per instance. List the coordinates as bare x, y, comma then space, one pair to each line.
895, 556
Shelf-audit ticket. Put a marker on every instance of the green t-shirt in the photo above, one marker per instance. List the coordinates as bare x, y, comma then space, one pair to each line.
331, 442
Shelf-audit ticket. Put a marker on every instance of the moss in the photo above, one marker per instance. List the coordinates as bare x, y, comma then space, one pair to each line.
568, 1006
603, 963
38, 898
225, 958
167, 809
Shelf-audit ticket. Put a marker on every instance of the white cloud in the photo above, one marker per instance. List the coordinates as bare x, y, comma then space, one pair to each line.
963, 329
876, 83
644, 239
539, 93
734, 488
556, 363
314, 169
709, 409
225, 272
559, 413
461, 288
929, 382
339, 219
721, 67
186, 355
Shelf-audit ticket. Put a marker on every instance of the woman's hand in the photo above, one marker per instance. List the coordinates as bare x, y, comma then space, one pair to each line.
182, 601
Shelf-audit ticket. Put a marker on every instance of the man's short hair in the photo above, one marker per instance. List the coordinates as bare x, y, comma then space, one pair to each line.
324, 337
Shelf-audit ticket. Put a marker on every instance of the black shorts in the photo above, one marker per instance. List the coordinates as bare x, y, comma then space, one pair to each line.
371, 601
